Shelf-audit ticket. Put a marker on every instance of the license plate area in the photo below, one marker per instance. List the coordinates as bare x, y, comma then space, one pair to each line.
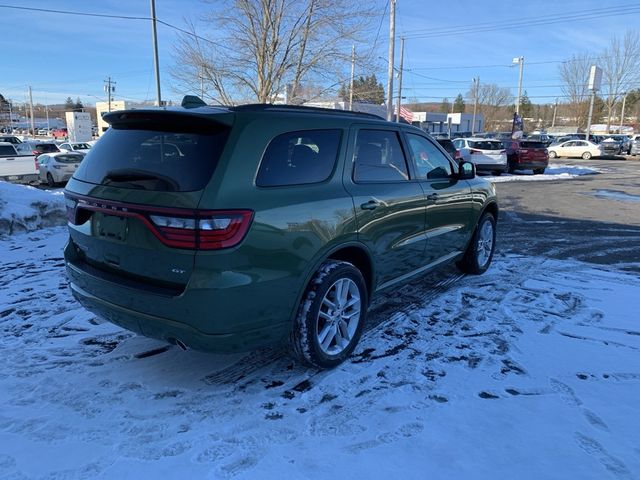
110, 227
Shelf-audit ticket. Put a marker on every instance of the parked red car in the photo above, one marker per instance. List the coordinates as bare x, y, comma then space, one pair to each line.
60, 133
525, 155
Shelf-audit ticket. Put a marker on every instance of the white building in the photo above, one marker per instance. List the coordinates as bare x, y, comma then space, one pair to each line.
103, 107
437, 122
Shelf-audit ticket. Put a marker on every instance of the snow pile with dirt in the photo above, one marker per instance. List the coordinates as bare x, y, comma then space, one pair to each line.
553, 172
25, 209
531, 370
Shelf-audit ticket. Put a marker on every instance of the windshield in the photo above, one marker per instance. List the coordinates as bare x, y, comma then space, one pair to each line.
155, 160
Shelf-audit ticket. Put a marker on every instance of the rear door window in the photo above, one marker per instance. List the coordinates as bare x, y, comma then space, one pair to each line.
299, 158
379, 157
158, 160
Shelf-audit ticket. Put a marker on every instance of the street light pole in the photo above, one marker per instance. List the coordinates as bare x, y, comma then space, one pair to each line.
476, 87
392, 34
520, 61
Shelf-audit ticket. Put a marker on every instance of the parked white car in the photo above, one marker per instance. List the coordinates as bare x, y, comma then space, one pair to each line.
58, 167
487, 154
575, 148
81, 147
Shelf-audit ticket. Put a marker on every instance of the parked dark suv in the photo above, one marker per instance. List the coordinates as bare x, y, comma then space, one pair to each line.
225, 229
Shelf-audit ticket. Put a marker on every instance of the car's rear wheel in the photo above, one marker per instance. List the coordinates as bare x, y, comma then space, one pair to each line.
586, 155
331, 315
50, 180
538, 171
497, 173
479, 253
552, 154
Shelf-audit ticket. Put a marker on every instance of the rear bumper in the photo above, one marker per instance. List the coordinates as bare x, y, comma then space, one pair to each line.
228, 317
170, 331
488, 167
28, 178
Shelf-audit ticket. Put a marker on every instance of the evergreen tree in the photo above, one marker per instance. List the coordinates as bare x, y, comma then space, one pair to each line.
69, 105
458, 104
78, 107
526, 107
365, 90
445, 106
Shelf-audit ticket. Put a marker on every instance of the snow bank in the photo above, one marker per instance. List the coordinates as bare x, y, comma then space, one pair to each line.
553, 172
25, 209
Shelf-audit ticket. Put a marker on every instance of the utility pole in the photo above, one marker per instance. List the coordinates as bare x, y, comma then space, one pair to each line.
593, 98
400, 80
624, 102
520, 61
109, 88
46, 110
555, 109
476, 87
33, 125
392, 35
156, 65
353, 72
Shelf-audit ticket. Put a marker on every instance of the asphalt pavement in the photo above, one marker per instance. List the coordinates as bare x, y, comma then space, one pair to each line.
592, 218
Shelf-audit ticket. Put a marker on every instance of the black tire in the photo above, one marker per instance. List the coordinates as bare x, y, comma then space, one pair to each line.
538, 171
310, 321
497, 173
552, 154
512, 168
50, 180
476, 259
586, 156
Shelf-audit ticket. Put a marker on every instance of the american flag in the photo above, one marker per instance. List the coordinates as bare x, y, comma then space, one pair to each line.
404, 113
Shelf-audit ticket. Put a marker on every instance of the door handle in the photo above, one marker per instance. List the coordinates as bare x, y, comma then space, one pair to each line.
370, 205
432, 196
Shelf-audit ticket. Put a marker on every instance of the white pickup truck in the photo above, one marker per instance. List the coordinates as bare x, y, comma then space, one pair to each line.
17, 167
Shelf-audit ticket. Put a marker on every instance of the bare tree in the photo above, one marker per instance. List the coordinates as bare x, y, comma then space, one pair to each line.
575, 75
621, 69
491, 102
262, 48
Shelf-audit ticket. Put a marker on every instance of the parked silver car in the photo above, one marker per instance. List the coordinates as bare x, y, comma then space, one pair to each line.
58, 167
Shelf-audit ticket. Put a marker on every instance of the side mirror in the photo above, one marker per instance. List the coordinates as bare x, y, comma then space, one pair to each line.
466, 170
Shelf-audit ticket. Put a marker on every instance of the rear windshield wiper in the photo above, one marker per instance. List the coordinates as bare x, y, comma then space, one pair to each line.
139, 179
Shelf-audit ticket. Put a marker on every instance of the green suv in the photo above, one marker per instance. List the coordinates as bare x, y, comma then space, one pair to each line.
226, 229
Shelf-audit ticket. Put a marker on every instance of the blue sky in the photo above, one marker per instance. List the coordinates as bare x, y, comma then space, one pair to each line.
62, 56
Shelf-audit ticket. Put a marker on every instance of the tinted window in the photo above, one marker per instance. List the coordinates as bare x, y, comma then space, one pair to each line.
46, 148
69, 158
7, 150
378, 157
532, 145
430, 162
156, 160
297, 158
485, 145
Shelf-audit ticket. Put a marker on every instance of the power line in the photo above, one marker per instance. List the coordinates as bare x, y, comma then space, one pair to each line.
536, 21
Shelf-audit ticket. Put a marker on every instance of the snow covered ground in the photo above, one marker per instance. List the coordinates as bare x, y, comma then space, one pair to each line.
554, 171
529, 371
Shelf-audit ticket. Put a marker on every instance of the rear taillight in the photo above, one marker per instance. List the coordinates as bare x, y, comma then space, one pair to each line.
207, 231
457, 155
174, 227
472, 151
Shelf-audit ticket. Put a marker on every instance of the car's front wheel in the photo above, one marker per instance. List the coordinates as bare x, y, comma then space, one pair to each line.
331, 315
586, 155
479, 253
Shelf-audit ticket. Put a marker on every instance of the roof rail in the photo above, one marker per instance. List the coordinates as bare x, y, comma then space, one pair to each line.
261, 107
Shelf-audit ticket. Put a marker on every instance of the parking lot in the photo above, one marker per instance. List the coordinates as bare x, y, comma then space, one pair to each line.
543, 347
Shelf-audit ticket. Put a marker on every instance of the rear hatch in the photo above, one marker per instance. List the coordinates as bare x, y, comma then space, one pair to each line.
68, 162
487, 152
533, 151
132, 204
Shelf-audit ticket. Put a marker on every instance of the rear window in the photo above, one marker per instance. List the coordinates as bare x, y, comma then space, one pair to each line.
45, 148
156, 160
532, 145
69, 158
298, 158
7, 150
486, 145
